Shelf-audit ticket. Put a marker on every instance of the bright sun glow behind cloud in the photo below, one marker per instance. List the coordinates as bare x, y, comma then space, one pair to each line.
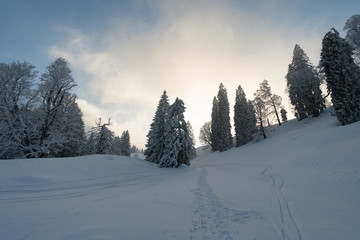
188, 51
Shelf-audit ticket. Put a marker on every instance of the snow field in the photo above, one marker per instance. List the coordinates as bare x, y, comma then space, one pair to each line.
303, 182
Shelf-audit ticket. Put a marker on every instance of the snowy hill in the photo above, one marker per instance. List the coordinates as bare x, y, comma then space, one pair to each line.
303, 182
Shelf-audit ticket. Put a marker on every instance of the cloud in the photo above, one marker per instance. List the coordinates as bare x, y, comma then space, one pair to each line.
187, 50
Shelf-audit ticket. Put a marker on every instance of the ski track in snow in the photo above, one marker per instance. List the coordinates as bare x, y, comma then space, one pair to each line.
92, 189
213, 218
285, 224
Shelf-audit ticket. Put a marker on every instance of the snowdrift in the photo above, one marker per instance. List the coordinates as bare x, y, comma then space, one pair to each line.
303, 182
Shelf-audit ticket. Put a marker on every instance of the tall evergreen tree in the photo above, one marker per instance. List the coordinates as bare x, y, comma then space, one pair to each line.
221, 127
352, 28
193, 140
125, 143
303, 86
215, 125
241, 118
178, 144
156, 137
103, 137
342, 77
252, 120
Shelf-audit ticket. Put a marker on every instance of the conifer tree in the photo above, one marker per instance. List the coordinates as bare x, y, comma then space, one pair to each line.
220, 119
342, 77
193, 140
260, 111
241, 118
352, 28
215, 125
156, 137
178, 144
125, 143
303, 86
252, 120
103, 137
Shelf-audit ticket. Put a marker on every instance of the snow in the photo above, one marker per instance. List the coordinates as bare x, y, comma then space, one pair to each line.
302, 182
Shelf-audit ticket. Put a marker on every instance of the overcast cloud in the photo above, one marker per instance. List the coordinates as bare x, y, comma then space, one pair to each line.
187, 49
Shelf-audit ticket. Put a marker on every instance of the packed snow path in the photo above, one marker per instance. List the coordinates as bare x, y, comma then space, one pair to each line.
301, 183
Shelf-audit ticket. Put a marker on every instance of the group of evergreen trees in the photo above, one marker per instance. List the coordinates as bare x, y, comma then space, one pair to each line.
170, 143
103, 141
338, 66
43, 120
247, 115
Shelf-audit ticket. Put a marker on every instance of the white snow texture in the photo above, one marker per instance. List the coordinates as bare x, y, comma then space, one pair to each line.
302, 182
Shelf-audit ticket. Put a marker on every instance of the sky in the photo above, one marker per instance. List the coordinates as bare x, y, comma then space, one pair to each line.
124, 54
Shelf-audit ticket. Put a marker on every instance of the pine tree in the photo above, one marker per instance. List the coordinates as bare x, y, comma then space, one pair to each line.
103, 137
342, 77
252, 120
220, 119
125, 143
241, 118
178, 144
352, 28
303, 86
215, 126
156, 137
193, 140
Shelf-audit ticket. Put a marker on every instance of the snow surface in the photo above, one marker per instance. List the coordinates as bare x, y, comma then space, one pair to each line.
303, 182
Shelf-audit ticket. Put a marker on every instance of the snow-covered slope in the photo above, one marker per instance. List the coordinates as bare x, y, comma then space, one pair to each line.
303, 182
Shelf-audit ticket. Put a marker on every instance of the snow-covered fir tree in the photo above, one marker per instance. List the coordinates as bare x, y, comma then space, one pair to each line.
221, 137
178, 144
215, 125
342, 77
283, 115
252, 120
241, 118
103, 137
193, 140
303, 86
352, 28
125, 143
156, 137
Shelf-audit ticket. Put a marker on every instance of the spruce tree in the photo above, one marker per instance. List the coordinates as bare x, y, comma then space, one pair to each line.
215, 126
241, 118
342, 77
221, 127
125, 143
178, 144
252, 120
303, 86
156, 137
